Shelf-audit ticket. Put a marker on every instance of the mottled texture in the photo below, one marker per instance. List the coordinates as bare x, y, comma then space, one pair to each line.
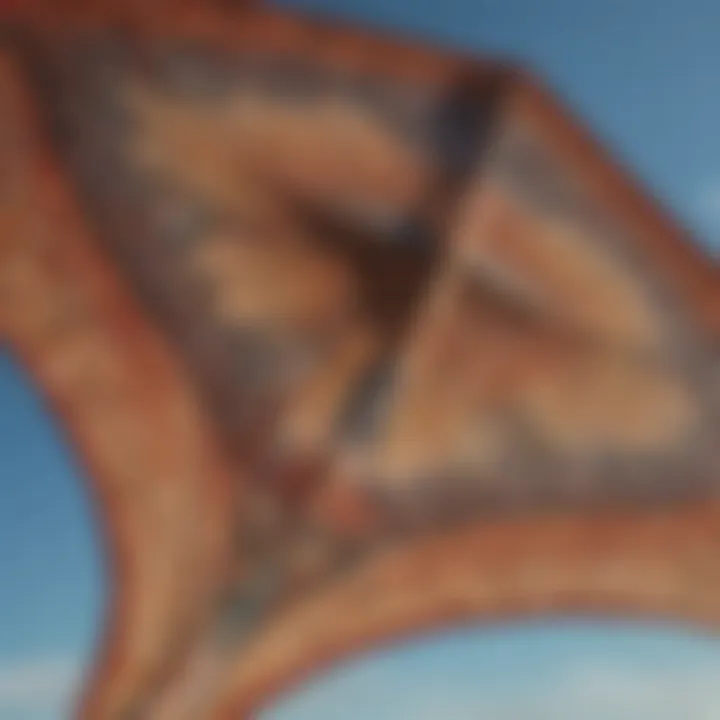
356, 339
126, 404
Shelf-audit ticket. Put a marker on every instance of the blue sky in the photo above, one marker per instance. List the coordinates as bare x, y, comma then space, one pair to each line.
645, 76
50, 561
547, 671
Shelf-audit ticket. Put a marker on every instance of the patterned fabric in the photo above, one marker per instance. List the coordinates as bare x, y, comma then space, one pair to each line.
355, 338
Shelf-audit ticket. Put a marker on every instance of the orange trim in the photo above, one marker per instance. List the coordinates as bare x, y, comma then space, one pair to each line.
254, 28
143, 353
160, 399
612, 187
646, 565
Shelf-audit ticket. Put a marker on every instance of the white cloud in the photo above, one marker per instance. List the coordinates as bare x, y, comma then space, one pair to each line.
612, 691
37, 686
596, 692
